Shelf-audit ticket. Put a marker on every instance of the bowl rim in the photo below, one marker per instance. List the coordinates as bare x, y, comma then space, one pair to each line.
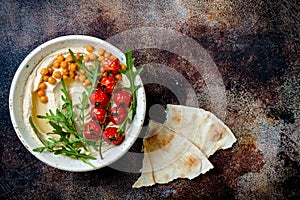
15, 121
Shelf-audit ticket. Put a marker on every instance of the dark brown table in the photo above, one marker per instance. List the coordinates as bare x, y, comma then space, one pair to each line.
254, 48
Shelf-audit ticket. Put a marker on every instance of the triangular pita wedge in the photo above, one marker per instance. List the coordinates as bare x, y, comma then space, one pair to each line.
171, 156
200, 127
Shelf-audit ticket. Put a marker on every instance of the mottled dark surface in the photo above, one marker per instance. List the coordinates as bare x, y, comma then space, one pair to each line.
255, 45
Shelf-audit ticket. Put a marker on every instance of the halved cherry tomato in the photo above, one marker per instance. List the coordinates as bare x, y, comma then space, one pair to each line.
112, 65
107, 83
92, 130
118, 114
99, 98
111, 134
98, 113
122, 96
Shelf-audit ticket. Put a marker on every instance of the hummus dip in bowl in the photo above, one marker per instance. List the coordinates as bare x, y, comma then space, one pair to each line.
25, 103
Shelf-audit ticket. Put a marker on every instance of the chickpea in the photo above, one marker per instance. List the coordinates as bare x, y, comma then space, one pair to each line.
57, 74
87, 82
76, 78
82, 78
60, 58
102, 69
82, 71
51, 80
65, 77
101, 51
50, 70
44, 71
42, 86
63, 64
86, 58
65, 71
100, 58
92, 56
118, 76
113, 57
107, 54
90, 48
41, 92
72, 74
44, 99
45, 78
56, 64
77, 57
73, 67
123, 67
69, 58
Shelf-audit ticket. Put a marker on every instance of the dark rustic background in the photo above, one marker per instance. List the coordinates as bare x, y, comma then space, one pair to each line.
256, 47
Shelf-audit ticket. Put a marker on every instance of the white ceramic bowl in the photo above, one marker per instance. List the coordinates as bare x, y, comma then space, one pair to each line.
31, 141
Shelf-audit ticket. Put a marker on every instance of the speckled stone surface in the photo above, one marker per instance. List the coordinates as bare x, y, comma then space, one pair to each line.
254, 44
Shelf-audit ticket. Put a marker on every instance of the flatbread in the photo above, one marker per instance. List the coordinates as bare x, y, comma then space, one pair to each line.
200, 127
171, 156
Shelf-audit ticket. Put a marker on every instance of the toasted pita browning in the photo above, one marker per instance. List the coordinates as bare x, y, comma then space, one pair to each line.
171, 156
200, 127
179, 148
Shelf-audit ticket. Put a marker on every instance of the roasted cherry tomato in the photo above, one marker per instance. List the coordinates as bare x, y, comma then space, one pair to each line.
98, 113
112, 65
122, 96
107, 83
111, 135
92, 130
99, 98
118, 114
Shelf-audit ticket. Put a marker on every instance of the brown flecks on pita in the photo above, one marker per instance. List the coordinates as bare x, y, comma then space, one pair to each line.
174, 157
192, 162
200, 127
194, 117
217, 132
157, 141
177, 116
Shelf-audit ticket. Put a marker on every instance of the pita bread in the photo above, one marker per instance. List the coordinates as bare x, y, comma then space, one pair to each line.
200, 127
170, 156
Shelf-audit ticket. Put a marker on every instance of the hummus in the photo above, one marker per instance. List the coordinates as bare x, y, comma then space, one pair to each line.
32, 106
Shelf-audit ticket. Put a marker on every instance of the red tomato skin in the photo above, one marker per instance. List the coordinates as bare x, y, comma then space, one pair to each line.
118, 114
112, 65
122, 96
119, 140
99, 98
111, 135
107, 83
98, 113
92, 130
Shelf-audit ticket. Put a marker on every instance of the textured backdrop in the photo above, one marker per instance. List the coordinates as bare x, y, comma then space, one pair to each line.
256, 47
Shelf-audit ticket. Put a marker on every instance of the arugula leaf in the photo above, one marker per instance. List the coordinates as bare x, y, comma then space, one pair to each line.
70, 141
131, 75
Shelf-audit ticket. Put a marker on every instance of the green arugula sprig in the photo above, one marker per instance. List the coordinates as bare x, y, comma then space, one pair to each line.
131, 75
69, 142
93, 75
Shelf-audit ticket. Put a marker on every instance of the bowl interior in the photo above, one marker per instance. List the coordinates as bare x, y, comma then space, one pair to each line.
30, 140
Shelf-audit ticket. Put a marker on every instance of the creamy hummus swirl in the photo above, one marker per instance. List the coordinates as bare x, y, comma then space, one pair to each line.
31, 103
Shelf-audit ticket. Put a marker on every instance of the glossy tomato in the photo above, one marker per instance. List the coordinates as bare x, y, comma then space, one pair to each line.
107, 83
99, 98
92, 130
122, 96
111, 65
98, 113
111, 134
118, 114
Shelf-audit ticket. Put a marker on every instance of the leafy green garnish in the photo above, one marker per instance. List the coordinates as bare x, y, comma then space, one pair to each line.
70, 142
131, 75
